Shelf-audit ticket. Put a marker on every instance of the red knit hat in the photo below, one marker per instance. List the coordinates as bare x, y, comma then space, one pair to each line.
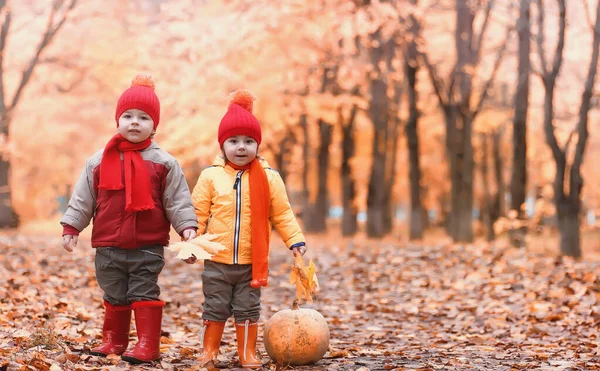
239, 119
140, 96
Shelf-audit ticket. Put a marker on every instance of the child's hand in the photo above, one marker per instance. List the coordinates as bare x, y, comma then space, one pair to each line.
69, 242
188, 234
299, 250
191, 260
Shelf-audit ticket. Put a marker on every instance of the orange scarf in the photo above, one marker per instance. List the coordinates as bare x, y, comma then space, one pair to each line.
260, 209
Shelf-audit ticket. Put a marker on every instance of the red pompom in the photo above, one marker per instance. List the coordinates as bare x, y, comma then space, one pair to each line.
243, 98
143, 79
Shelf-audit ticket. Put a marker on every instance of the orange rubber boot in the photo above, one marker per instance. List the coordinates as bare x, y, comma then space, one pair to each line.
247, 334
213, 332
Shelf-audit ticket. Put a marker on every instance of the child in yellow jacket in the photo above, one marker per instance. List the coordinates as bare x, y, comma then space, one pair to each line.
239, 198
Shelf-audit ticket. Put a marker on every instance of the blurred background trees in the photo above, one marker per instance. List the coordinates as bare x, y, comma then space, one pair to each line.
385, 117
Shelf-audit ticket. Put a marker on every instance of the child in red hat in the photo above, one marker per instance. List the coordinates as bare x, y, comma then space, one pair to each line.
239, 198
134, 191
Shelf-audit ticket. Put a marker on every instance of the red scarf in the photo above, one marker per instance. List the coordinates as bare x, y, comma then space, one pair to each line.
136, 174
260, 209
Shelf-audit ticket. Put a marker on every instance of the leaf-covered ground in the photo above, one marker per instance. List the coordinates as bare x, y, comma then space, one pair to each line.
390, 306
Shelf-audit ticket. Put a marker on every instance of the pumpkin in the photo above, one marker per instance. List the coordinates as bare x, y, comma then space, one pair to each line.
296, 336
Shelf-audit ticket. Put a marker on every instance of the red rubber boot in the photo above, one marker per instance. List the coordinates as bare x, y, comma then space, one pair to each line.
115, 331
148, 321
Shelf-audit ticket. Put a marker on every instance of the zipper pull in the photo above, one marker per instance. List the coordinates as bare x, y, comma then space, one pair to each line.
238, 178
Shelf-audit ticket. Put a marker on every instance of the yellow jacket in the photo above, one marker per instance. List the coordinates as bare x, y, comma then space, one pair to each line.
222, 201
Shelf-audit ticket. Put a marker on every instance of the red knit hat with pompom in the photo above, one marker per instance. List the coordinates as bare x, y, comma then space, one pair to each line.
239, 119
140, 96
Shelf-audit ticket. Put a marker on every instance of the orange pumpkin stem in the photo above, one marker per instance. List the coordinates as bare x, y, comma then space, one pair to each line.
295, 305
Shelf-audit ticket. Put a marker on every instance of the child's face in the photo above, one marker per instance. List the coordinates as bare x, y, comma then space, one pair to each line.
135, 125
240, 149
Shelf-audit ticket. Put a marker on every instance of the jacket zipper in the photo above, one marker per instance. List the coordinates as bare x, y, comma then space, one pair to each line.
238, 214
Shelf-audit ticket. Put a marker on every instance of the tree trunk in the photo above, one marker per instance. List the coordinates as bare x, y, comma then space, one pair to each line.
392, 136
8, 217
378, 111
464, 184
486, 205
492, 202
518, 180
306, 209
316, 221
462, 150
379, 115
568, 207
450, 113
460, 157
349, 222
497, 200
417, 218
285, 146
568, 225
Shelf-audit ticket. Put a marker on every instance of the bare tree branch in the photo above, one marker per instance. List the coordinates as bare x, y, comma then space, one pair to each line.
486, 20
537, 72
588, 17
75, 82
549, 80
49, 34
582, 127
540, 38
569, 139
62, 62
435, 80
496, 68
558, 55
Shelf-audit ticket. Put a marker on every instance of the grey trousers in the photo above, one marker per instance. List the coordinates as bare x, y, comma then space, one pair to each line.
129, 275
227, 291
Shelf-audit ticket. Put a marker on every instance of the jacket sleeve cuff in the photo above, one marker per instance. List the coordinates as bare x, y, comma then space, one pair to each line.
186, 225
185, 229
298, 245
70, 230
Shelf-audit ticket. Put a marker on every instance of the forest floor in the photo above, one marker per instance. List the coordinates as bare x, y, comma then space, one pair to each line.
390, 305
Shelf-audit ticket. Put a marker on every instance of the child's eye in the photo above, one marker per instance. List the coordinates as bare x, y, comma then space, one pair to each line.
127, 116
144, 117
249, 141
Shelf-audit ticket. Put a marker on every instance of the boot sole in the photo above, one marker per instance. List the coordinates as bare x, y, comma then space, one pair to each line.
252, 366
136, 361
100, 354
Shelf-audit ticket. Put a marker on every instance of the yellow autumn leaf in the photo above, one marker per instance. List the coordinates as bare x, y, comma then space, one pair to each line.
205, 241
201, 247
305, 279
